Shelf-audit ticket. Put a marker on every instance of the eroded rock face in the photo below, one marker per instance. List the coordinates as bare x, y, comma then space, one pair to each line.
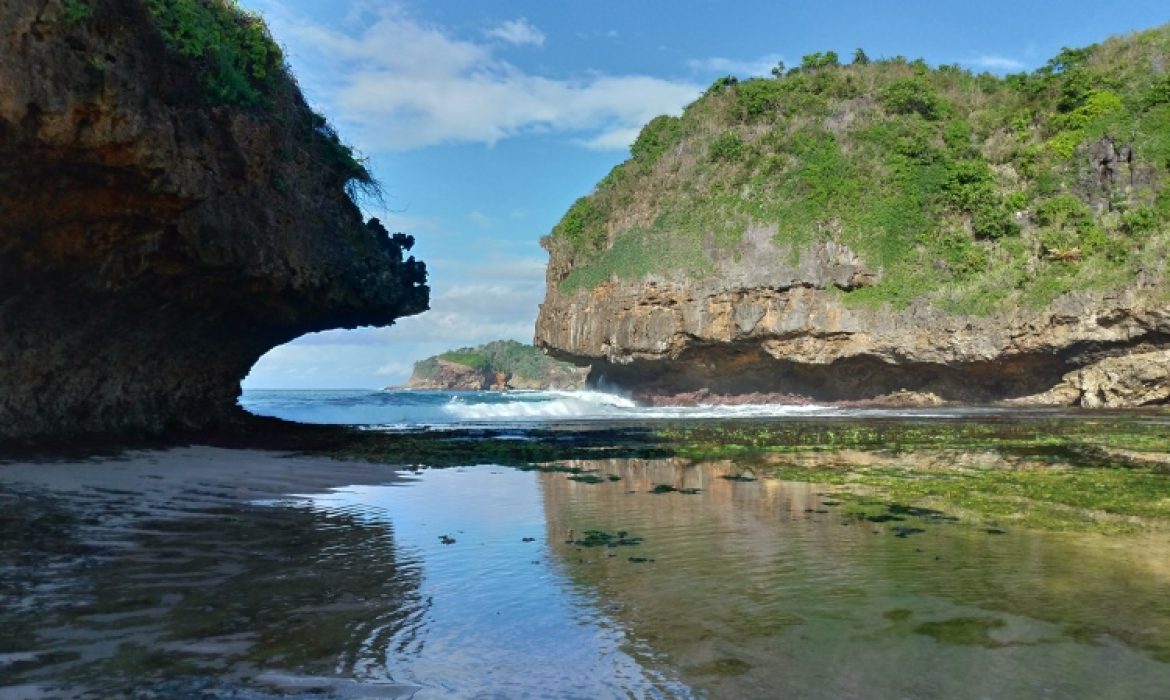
788, 331
1138, 379
152, 247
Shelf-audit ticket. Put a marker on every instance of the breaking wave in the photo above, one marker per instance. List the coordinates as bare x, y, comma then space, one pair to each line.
405, 409
418, 408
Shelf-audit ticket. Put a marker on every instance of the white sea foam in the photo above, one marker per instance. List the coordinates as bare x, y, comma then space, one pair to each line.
399, 410
542, 405
587, 405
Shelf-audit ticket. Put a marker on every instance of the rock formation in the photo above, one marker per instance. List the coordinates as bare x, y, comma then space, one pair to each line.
155, 242
783, 329
498, 365
856, 233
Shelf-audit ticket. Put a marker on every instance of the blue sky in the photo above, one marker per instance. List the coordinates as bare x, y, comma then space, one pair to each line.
484, 120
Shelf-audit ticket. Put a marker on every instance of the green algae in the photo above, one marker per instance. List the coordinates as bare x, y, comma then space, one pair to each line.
1105, 472
601, 538
966, 631
898, 614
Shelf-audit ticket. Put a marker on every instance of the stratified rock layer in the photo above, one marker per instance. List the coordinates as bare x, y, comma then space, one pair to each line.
764, 325
152, 247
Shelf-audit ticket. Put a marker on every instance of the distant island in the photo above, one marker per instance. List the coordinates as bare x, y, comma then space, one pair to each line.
500, 364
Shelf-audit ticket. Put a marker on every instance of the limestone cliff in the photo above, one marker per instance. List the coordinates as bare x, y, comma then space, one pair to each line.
161, 227
845, 232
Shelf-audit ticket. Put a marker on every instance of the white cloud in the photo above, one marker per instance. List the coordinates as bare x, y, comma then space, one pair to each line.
480, 219
996, 63
395, 369
518, 32
398, 84
599, 34
750, 68
613, 139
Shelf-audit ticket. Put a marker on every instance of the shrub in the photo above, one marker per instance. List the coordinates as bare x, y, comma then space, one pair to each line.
236, 56
722, 85
1156, 94
582, 227
960, 253
726, 147
1140, 220
755, 98
1064, 211
914, 96
660, 134
817, 60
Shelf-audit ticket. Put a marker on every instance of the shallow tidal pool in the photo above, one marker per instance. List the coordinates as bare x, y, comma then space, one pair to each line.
624, 577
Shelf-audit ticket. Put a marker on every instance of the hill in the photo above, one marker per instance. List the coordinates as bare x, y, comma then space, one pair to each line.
500, 364
975, 236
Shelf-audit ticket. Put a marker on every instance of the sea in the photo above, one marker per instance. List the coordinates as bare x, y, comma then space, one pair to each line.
959, 553
406, 409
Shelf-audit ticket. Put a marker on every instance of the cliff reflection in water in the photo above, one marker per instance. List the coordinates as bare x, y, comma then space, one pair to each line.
771, 588
293, 596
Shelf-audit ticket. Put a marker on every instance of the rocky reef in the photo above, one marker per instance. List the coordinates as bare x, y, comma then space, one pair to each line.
885, 229
165, 221
498, 365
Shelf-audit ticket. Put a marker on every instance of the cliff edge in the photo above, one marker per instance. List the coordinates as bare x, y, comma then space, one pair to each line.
170, 209
847, 231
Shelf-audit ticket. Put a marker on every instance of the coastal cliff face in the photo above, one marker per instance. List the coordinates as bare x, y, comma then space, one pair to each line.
852, 232
159, 231
795, 335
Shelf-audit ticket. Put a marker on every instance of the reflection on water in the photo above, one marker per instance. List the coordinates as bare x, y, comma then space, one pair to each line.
441, 589
229, 592
492, 582
767, 589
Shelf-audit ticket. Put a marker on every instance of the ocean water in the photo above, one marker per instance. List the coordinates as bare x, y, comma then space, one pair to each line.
406, 409
621, 574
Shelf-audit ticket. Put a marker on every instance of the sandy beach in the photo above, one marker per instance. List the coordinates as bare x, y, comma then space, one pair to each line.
157, 476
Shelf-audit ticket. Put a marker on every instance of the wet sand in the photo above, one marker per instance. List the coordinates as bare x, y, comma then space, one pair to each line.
217, 475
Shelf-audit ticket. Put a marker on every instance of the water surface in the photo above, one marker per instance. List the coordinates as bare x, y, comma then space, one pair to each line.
488, 581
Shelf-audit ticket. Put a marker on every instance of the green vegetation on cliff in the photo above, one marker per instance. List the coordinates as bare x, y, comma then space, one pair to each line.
240, 64
522, 365
238, 58
973, 191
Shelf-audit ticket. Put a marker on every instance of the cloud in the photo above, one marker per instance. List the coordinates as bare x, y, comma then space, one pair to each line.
518, 32
396, 83
395, 369
996, 63
614, 139
599, 34
761, 66
500, 306
480, 219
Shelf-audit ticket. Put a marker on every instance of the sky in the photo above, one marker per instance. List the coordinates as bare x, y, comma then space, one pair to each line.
484, 120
